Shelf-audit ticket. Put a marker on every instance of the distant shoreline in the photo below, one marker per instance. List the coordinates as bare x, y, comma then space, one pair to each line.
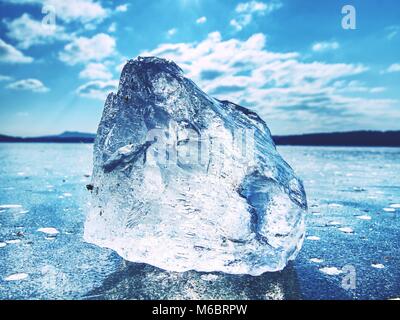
334, 139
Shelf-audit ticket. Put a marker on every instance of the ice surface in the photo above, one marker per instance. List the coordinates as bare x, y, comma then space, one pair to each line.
183, 181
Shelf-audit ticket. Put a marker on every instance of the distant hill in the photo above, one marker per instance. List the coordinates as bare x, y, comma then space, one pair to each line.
353, 138
65, 137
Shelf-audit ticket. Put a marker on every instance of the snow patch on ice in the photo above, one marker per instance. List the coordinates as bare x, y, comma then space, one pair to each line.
51, 231
364, 217
335, 205
13, 241
346, 230
332, 271
16, 277
10, 206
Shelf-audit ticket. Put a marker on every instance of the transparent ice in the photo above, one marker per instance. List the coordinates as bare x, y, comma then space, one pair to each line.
183, 181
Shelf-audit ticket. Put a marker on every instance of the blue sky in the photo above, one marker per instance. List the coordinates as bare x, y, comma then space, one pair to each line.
289, 60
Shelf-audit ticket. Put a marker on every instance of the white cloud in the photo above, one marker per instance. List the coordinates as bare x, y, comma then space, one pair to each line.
97, 89
251, 7
95, 71
392, 32
112, 28
240, 22
83, 11
171, 32
28, 32
395, 67
201, 20
247, 10
9, 54
344, 86
280, 86
33, 85
325, 46
82, 49
378, 89
122, 8
22, 114
121, 64
5, 78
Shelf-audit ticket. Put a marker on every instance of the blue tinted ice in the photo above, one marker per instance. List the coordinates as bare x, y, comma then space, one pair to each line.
183, 181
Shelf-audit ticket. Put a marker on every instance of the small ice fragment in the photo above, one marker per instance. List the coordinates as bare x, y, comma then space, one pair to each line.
364, 217
8, 188
335, 205
50, 231
16, 277
13, 241
24, 211
377, 265
334, 223
332, 271
67, 194
316, 260
346, 230
389, 209
60, 197
2, 244
209, 277
395, 205
10, 206
21, 173
313, 238
50, 238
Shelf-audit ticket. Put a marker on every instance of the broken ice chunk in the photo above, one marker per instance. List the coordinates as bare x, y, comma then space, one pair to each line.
183, 181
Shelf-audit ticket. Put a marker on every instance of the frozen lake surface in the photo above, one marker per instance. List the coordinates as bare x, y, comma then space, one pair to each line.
352, 248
